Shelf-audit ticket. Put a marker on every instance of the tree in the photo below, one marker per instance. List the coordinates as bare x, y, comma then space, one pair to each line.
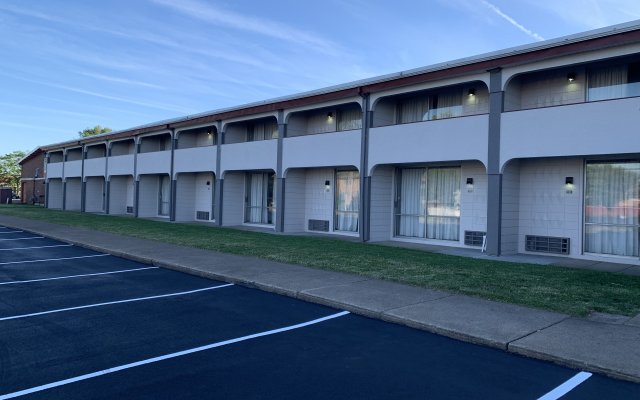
10, 170
96, 130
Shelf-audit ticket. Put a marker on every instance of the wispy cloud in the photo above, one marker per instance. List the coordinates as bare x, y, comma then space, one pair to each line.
30, 126
512, 21
120, 80
100, 95
589, 14
261, 26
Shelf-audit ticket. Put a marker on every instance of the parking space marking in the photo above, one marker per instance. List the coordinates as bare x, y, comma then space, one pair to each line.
567, 386
37, 247
11, 232
25, 238
115, 302
78, 276
169, 356
54, 259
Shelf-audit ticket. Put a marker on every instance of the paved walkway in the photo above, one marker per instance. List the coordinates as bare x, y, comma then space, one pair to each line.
602, 344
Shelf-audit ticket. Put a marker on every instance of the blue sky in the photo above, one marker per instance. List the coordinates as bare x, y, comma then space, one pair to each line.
67, 65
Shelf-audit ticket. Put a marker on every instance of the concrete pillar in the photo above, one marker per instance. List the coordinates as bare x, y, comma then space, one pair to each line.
107, 189
219, 181
136, 198
172, 200
280, 182
46, 194
64, 194
365, 179
494, 174
83, 196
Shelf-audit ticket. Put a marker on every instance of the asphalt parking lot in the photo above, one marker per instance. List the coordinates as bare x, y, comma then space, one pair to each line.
77, 324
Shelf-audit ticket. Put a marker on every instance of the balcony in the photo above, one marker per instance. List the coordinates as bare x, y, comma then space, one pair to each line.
156, 162
54, 170
120, 165
73, 169
323, 150
463, 138
250, 155
600, 127
195, 159
95, 166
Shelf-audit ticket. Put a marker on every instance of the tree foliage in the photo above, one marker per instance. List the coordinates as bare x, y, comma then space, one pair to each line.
96, 130
10, 170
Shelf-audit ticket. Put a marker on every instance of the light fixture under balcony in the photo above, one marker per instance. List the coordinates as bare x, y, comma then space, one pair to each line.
327, 186
568, 184
471, 92
469, 184
571, 77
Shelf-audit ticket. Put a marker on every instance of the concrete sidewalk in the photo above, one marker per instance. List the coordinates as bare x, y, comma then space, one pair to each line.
605, 347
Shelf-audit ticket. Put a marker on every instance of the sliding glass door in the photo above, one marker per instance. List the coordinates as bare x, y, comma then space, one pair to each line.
347, 201
612, 208
428, 203
260, 198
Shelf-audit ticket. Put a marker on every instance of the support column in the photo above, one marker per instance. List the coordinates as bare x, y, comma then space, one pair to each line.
64, 194
280, 181
107, 191
365, 179
494, 174
46, 194
219, 180
83, 195
172, 197
136, 198
83, 183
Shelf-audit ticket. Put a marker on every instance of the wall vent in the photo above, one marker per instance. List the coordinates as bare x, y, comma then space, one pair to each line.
474, 238
129, 210
318, 225
547, 244
202, 215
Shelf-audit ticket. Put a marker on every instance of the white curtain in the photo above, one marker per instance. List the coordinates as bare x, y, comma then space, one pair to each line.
449, 105
256, 195
164, 195
608, 83
349, 119
264, 131
414, 110
347, 200
612, 208
412, 203
443, 203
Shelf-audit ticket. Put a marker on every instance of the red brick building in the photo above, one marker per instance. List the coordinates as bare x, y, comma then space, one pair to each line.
32, 178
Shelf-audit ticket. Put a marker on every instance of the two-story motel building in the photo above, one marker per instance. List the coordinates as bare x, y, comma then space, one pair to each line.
533, 149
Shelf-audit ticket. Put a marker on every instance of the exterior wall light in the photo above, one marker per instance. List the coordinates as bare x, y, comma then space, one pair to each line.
329, 116
327, 186
568, 184
571, 77
469, 184
471, 92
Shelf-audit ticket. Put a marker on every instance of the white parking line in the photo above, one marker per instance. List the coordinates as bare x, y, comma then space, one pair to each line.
54, 259
37, 247
567, 386
168, 356
77, 276
114, 302
11, 232
26, 238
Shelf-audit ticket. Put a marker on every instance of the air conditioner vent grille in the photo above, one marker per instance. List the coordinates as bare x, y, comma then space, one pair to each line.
202, 215
547, 244
474, 238
318, 225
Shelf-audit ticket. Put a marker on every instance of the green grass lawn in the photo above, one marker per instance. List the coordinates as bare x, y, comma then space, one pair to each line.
566, 290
